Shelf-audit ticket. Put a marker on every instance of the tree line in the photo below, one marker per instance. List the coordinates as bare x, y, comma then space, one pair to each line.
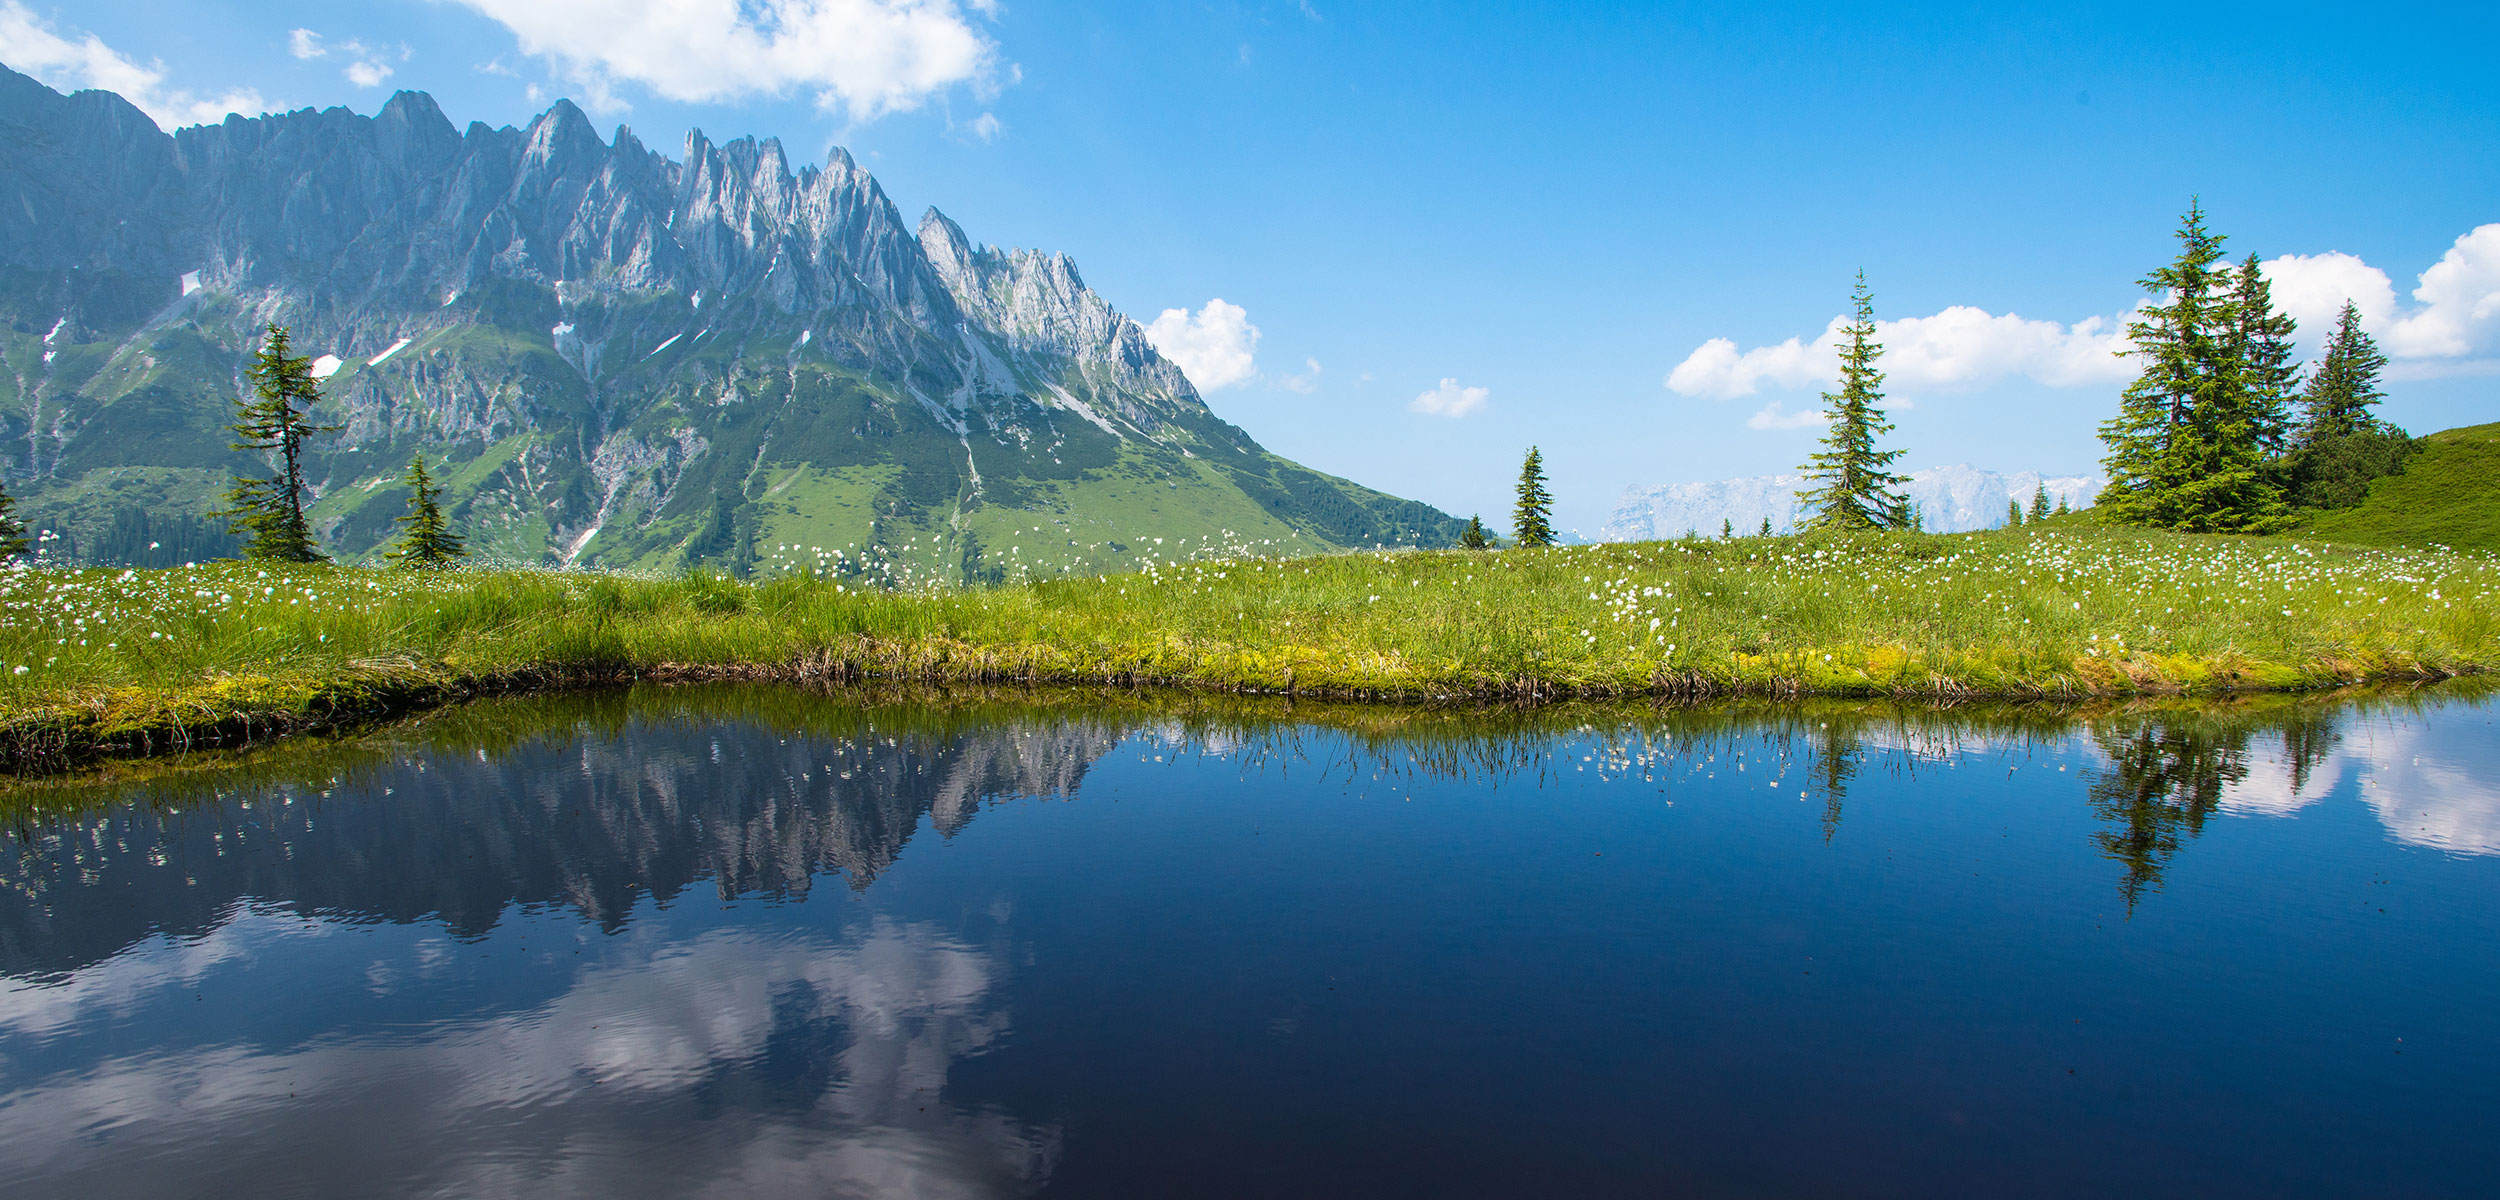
266, 512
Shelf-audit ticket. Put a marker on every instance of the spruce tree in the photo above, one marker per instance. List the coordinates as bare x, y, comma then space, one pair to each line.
1473, 537
2040, 502
1766, 527
426, 541
2062, 509
2013, 513
12, 530
2258, 340
269, 513
1852, 487
1727, 529
1531, 521
2345, 385
2186, 450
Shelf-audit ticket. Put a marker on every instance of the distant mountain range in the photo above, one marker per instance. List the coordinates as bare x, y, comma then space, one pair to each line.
618, 357
1953, 499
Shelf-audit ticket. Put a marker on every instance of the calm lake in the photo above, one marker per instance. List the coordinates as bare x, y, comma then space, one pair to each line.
756, 941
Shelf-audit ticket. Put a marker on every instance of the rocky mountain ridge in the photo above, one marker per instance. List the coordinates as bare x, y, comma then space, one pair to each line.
625, 358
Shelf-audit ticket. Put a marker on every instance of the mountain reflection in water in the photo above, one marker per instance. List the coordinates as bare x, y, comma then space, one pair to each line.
576, 944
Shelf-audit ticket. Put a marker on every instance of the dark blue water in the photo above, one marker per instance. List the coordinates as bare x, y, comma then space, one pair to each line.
752, 942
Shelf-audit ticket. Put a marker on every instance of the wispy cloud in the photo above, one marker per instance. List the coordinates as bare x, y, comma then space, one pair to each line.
69, 62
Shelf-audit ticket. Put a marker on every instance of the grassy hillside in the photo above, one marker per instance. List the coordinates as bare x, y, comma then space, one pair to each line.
2449, 495
102, 661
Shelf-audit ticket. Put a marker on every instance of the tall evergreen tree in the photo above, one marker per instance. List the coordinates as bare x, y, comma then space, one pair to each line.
2013, 513
1766, 527
426, 541
1853, 487
12, 530
2258, 339
1531, 520
1727, 529
1473, 537
2185, 450
2040, 502
269, 513
2345, 385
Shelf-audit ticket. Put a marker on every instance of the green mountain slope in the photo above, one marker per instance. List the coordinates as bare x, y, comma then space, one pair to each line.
2449, 494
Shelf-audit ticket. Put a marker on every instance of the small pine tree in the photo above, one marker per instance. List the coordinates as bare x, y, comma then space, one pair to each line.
2013, 513
269, 513
1531, 522
2345, 385
2040, 502
426, 543
1473, 537
1766, 527
12, 530
2062, 508
1853, 487
1727, 529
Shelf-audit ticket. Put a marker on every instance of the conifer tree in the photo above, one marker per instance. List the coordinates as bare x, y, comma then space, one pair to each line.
1853, 489
1531, 521
2185, 450
426, 542
2040, 502
2013, 513
2258, 340
12, 530
2345, 385
269, 513
1727, 529
1766, 527
2062, 509
1473, 537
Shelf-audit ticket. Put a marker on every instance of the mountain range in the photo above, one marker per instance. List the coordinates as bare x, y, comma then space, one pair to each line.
1955, 499
615, 357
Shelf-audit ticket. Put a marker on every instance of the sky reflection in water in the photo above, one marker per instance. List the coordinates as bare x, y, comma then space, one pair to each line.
758, 942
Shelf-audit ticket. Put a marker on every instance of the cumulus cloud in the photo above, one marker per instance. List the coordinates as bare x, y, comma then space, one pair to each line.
1450, 400
985, 127
2453, 320
863, 58
1216, 346
365, 68
304, 43
1958, 349
30, 44
2450, 326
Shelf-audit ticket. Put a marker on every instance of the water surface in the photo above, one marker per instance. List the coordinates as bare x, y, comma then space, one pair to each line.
762, 942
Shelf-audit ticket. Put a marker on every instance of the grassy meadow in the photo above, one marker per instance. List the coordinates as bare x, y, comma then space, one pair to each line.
100, 662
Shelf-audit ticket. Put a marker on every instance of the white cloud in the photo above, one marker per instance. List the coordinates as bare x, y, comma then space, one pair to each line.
1306, 382
29, 44
367, 73
2455, 312
1450, 400
304, 43
862, 57
1958, 349
1216, 347
1772, 416
985, 127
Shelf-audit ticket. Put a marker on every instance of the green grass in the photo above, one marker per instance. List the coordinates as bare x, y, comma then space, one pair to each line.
2448, 495
104, 662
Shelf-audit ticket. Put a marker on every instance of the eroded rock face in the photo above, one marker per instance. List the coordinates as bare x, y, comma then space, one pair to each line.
617, 338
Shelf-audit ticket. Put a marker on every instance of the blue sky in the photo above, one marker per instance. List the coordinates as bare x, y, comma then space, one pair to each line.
1601, 226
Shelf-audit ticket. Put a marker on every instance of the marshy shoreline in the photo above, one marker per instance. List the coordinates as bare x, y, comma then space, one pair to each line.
227, 655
